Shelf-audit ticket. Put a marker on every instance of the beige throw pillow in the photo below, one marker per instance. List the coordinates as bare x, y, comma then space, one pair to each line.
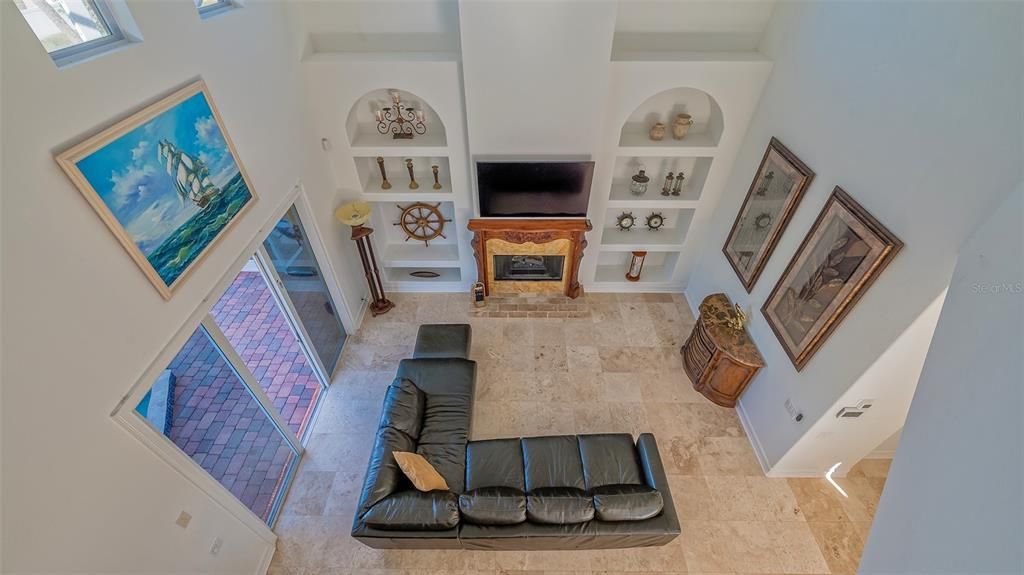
422, 474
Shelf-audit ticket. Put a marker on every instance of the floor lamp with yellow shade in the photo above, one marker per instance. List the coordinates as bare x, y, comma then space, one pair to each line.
356, 214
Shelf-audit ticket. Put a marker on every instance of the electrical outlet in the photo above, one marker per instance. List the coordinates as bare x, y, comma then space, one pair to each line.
217, 544
183, 520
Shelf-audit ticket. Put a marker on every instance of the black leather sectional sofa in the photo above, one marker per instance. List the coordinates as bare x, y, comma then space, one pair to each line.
557, 492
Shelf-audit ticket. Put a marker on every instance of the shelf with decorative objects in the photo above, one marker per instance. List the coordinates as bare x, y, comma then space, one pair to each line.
671, 181
408, 112
655, 267
645, 229
703, 103
388, 178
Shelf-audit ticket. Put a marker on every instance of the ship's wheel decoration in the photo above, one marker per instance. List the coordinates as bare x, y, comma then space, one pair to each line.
655, 221
625, 221
422, 222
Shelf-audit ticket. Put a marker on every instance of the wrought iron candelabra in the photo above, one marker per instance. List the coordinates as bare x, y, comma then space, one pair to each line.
401, 121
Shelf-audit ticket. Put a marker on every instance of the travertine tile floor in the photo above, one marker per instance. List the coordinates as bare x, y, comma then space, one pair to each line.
617, 370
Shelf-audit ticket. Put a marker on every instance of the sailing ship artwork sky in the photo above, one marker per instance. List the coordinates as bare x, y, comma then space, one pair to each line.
172, 183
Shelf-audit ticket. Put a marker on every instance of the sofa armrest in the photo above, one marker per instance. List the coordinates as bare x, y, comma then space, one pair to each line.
654, 474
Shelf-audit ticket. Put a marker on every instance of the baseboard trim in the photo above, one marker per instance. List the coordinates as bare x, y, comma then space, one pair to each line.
755, 441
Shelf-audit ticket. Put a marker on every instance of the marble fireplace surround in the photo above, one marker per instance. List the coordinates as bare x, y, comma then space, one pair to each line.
539, 237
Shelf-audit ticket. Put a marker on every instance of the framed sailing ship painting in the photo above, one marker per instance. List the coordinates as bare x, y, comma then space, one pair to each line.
166, 181
842, 255
778, 187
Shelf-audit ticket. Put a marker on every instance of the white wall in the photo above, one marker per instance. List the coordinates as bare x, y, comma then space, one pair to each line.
81, 322
953, 499
536, 75
914, 108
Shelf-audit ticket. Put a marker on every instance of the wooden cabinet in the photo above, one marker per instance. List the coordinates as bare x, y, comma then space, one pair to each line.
720, 360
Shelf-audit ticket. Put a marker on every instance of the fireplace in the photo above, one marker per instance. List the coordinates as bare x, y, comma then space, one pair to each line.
529, 255
528, 268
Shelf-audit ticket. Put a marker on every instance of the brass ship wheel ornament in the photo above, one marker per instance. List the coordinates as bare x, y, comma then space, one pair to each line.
422, 222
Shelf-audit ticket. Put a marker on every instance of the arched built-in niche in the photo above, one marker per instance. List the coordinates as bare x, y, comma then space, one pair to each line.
663, 107
361, 124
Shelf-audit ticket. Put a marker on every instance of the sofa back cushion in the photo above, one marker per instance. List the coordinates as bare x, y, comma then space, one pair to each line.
403, 407
449, 459
446, 418
610, 459
552, 461
495, 463
412, 510
383, 475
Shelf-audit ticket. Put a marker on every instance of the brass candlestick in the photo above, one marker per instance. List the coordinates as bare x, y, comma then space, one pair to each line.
385, 184
412, 179
437, 183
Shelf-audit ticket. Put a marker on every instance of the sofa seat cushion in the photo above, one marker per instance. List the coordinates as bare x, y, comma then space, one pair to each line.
403, 407
610, 459
449, 459
494, 463
493, 506
559, 505
415, 510
626, 502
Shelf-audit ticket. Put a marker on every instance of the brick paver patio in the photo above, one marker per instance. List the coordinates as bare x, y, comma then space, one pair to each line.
216, 421
248, 315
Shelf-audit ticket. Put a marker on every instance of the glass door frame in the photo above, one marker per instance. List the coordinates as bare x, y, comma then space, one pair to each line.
135, 424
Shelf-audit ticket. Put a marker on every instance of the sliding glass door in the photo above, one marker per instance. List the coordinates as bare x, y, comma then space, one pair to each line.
242, 392
203, 403
290, 260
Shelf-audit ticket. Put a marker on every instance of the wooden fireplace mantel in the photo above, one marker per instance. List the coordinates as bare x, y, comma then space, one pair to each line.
535, 232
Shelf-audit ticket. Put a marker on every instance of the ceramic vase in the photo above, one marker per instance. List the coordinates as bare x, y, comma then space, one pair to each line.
681, 126
657, 132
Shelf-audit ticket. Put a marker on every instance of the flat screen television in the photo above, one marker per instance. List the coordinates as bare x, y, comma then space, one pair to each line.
534, 189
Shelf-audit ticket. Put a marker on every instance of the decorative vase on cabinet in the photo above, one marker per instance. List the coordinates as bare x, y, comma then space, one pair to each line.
720, 359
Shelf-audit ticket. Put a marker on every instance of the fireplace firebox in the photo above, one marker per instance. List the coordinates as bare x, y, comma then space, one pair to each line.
528, 268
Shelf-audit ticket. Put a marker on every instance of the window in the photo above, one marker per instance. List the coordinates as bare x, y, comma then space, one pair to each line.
209, 8
71, 30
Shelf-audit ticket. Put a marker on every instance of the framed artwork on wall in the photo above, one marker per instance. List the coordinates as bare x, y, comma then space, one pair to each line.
166, 181
778, 187
842, 255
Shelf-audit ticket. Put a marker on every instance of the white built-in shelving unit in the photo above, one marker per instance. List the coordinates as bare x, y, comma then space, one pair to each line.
720, 93
345, 86
346, 89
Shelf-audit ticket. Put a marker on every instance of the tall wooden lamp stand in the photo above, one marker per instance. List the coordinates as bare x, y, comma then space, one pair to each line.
356, 214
